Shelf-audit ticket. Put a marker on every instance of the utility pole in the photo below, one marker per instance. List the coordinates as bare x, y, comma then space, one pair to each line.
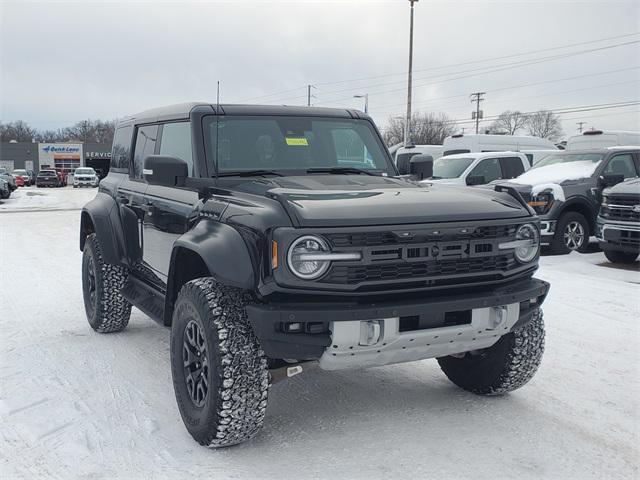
580, 124
407, 125
477, 115
309, 96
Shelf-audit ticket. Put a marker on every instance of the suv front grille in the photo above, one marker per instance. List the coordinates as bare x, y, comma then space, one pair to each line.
399, 271
430, 256
621, 208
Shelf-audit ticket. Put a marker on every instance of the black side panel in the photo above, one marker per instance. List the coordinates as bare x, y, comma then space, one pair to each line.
103, 213
223, 250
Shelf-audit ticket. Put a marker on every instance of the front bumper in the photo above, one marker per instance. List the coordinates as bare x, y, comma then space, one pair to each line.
326, 331
620, 236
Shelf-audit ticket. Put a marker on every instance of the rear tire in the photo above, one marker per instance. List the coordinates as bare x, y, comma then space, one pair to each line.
616, 256
572, 234
503, 367
107, 310
223, 398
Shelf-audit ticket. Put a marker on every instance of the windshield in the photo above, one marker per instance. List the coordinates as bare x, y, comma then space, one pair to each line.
564, 157
47, 173
19, 172
445, 167
294, 145
84, 171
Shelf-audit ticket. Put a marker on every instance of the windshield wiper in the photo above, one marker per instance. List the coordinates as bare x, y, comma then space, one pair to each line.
341, 170
250, 173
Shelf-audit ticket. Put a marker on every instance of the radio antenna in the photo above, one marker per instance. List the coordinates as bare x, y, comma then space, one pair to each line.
218, 95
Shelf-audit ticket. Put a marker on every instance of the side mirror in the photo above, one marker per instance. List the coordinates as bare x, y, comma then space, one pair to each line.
421, 166
165, 171
476, 180
610, 180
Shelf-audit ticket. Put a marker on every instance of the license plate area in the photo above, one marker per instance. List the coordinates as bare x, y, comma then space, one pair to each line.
444, 319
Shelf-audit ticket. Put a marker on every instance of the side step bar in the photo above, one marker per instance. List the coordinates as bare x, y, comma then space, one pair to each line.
144, 297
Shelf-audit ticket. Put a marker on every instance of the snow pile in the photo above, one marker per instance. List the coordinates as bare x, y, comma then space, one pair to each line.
557, 173
38, 199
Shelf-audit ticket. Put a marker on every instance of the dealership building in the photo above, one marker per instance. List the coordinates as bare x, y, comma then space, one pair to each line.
65, 157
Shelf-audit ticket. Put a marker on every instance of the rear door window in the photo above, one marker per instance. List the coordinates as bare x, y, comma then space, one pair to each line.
121, 151
511, 167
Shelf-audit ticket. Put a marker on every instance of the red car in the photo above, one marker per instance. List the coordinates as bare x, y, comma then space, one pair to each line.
19, 181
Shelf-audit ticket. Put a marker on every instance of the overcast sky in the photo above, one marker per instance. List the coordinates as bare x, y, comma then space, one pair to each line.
66, 61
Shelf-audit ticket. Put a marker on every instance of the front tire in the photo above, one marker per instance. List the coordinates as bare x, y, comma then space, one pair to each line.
503, 367
107, 310
616, 256
572, 234
220, 373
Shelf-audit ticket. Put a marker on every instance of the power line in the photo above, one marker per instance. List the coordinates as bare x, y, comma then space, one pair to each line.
559, 47
518, 63
493, 70
528, 85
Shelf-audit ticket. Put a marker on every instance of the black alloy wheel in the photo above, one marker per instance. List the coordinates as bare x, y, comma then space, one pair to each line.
196, 363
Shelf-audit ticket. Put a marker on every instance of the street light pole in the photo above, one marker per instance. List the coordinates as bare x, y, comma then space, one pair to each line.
407, 125
366, 101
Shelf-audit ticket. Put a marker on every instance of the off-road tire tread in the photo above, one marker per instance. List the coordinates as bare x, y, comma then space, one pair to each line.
243, 371
524, 355
112, 309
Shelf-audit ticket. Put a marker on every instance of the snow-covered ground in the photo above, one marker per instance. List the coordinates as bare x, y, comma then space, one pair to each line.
26, 199
74, 403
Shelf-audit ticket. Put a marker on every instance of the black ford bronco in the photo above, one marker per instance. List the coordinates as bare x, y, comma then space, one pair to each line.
274, 239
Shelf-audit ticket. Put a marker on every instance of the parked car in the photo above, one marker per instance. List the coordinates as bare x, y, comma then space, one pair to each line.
478, 168
24, 175
404, 155
5, 191
467, 143
85, 177
48, 178
20, 182
565, 189
618, 228
32, 176
602, 139
287, 259
7, 177
534, 156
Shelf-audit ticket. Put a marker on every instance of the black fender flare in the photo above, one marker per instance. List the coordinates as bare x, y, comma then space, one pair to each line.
101, 215
223, 252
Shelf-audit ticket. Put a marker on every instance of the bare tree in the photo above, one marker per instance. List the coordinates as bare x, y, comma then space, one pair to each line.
426, 129
544, 124
509, 122
19, 131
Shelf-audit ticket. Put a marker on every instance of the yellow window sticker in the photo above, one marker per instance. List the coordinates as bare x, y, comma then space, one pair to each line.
297, 142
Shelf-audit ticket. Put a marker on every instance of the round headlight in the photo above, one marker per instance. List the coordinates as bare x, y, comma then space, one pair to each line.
300, 257
526, 252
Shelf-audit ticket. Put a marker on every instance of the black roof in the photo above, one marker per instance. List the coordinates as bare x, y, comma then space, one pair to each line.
183, 110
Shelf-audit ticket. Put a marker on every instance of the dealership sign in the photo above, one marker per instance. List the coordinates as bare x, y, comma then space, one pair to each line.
49, 152
91, 155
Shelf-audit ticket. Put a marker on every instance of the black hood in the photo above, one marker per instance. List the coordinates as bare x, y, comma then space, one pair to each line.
357, 200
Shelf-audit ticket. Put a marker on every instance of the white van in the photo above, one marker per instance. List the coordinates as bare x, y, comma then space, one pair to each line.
602, 139
464, 143
404, 154
478, 168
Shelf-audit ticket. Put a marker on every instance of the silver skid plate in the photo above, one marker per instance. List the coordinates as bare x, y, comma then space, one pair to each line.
347, 351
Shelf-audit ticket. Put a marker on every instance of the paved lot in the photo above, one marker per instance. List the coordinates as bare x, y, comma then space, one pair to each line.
77, 404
